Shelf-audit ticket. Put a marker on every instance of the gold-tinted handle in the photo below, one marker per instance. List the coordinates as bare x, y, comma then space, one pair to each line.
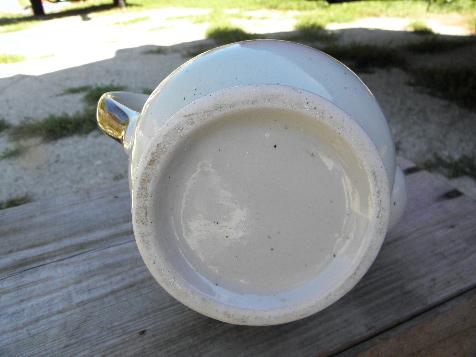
117, 115
112, 118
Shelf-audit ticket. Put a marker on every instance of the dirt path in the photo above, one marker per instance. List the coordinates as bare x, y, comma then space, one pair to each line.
422, 125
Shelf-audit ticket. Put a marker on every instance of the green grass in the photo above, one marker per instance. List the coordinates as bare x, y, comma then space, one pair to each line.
228, 34
420, 28
6, 58
311, 33
158, 28
228, 4
196, 19
4, 125
12, 23
369, 8
20, 26
463, 166
311, 12
11, 152
435, 44
220, 27
451, 5
15, 201
76, 90
93, 94
457, 84
472, 25
158, 50
323, 13
215, 17
132, 21
321, 17
55, 127
363, 57
24, 3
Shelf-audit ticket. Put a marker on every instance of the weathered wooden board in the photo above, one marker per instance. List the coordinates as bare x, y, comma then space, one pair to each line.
72, 283
446, 330
45, 231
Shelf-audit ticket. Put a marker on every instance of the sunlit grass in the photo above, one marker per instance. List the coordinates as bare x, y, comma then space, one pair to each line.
228, 4
228, 34
366, 8
197, 19
311, 12
19, 26
310, 33
420, 27
132, 21
6, 58
324, 14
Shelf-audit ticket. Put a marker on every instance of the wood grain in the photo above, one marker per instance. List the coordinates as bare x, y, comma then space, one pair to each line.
54, 229
72, 283
447, 330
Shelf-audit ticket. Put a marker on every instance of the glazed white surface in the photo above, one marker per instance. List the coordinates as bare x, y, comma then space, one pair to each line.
267, 62
243, 202
212, 171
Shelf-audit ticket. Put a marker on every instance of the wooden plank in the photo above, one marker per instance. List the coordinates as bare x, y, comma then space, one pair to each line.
447, 330
424, 190
102, 299
41, 232
57, 228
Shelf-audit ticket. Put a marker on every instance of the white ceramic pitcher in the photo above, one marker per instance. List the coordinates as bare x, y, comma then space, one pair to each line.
263, 180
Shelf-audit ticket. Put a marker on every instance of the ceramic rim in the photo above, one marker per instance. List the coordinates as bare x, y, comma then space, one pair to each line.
211, 108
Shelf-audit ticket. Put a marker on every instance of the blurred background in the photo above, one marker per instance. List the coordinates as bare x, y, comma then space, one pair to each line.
58, 57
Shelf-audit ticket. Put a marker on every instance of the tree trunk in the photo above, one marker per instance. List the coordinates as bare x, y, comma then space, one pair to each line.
37, 7
120, 3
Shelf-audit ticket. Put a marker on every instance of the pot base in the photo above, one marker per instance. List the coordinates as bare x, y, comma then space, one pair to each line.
264, 209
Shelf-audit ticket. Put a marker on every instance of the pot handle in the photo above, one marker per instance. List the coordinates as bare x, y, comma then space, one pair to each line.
117, 114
